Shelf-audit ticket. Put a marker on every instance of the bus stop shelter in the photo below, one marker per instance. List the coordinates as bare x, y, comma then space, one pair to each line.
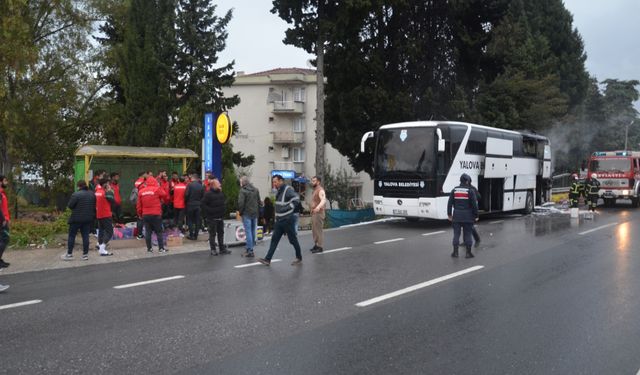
128, 162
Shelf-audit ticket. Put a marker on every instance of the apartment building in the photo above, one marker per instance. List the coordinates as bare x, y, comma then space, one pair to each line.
277, 123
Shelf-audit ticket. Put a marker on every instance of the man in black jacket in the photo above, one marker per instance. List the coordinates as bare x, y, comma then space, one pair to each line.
213, 208
192, 198
464, 204
83, 213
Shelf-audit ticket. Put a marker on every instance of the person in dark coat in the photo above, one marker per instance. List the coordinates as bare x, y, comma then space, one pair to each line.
268, 215
193, 198
213, 208
464, 204
83, 213
249, 210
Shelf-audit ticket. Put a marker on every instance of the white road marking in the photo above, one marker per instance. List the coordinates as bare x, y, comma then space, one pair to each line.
417, 286
598, 228
432, 233
149, 282
387, 241
497, 222
255, 264
25, 303
336, 250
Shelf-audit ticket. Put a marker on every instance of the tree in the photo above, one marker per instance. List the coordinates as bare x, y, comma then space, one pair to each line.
338, 187
313, 21
620, 113
49, 90
201, 36
145, 61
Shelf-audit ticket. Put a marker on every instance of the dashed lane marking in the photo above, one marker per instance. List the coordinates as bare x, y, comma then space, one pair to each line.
387, 241
336, 250
597, 228
417, 286
149, 282
255, 264
432, 233
19, 304
496, 222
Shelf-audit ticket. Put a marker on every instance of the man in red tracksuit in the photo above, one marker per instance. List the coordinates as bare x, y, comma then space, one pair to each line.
178, 203
5, 218
138, 185
163, 182
149, 208
117, 198
104, 199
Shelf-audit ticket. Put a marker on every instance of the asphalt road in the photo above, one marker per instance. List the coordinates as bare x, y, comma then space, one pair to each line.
545, 294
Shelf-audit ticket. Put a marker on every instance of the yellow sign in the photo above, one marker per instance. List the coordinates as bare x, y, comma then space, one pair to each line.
223, 128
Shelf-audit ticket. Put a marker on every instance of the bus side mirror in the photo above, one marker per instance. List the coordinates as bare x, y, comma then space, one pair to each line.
366, 136
440, 140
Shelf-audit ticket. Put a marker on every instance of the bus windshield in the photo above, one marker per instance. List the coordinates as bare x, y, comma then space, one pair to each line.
610, 165
405, 150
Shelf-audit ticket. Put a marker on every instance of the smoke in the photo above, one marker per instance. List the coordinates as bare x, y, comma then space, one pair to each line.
570, 145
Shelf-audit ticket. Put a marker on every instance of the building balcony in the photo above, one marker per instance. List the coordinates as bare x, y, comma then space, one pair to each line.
297, 166
288, 138
288, 107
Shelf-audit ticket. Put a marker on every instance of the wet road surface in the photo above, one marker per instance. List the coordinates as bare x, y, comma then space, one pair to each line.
545, 294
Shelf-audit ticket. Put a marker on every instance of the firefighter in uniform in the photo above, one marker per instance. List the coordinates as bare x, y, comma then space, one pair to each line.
464, 204
592, 187
576, 190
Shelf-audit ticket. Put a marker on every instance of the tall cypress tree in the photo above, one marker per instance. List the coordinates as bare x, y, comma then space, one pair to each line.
201, 36
146, 59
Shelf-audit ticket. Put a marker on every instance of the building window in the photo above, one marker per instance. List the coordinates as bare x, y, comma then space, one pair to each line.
299, 94
298, 154
298, 125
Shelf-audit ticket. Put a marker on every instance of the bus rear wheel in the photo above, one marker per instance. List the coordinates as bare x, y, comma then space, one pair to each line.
528, 205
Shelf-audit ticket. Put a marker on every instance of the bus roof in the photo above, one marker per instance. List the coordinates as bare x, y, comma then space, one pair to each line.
417, 124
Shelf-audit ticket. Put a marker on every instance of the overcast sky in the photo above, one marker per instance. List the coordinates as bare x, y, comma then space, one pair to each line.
610, 30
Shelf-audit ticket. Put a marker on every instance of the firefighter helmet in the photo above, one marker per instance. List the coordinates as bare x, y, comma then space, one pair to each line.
593, 175
574, 176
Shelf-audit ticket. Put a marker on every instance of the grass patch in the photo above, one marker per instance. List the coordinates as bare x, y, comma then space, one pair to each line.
27, 232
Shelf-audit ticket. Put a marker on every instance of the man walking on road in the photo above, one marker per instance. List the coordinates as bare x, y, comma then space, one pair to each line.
318, 202
249, 209
193, 198
104, 200
213, 208
286, 201
83, 213
465, 212
149, 208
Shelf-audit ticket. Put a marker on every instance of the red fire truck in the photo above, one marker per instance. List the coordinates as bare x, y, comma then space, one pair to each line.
619, 175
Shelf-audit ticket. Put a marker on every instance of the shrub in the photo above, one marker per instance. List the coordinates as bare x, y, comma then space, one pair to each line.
25, 232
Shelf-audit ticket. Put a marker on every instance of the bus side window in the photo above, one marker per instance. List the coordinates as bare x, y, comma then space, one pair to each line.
477, 143
530, 147
456, 135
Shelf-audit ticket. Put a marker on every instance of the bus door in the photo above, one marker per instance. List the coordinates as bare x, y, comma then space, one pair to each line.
497, 167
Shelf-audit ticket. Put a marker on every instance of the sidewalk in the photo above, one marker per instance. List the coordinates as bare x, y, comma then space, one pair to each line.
26, 260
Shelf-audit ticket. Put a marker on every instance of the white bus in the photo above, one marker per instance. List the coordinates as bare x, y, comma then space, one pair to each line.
417, 164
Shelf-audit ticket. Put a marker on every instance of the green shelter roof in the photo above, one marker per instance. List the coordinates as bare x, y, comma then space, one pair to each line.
136, 152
